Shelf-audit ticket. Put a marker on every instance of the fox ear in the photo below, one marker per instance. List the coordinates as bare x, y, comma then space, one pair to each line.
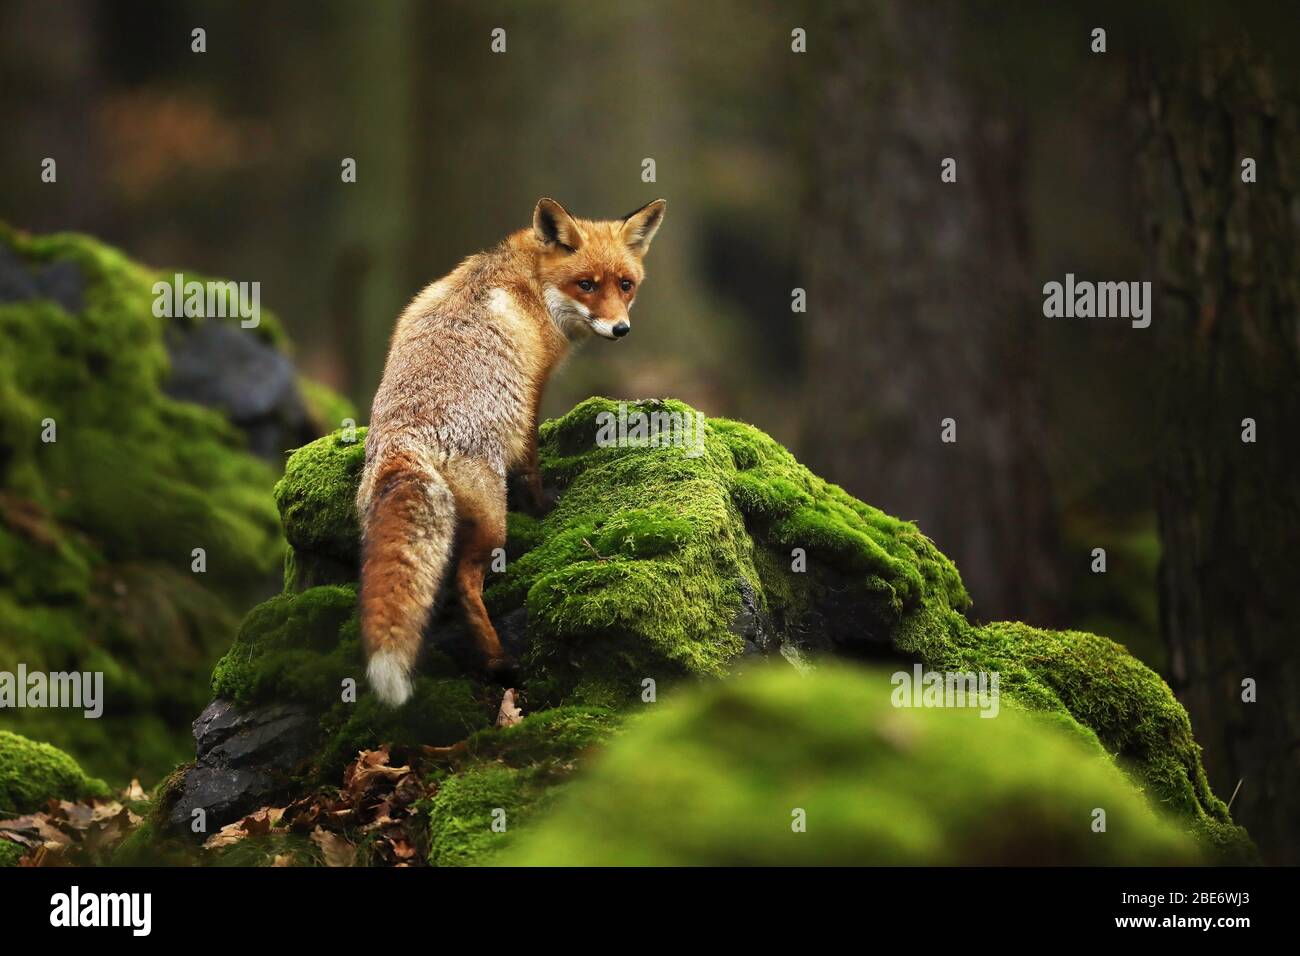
640, 227
552, 223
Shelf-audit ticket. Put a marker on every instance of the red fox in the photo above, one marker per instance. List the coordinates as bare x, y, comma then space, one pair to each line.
456, 411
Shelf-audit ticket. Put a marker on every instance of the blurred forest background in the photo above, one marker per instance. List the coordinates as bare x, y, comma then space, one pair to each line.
817, 171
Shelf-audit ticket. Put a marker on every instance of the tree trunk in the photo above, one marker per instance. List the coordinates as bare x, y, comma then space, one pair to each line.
919, 304
1226, 257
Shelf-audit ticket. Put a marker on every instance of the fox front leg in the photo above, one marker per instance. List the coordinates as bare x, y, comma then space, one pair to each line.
525, 489
535, 500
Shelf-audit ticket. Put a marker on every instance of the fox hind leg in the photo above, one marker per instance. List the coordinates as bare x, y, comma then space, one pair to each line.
481, 529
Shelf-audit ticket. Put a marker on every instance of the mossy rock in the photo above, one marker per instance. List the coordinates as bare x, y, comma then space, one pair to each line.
658, 568
658, 555
305, 648
33, 773
1096, 688
509, 778
728, 775
316, 501
98, 526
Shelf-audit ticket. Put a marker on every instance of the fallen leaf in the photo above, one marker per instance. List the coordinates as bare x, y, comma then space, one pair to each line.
78, 814
260, 822
509, 714
105, 811
26, 839
453, 750
366, 776
49, 854
336, 850
230, 834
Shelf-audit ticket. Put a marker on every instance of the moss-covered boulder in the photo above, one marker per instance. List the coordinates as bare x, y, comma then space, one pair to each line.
120, 455
665, 565
510, 776
33, 773
776, 768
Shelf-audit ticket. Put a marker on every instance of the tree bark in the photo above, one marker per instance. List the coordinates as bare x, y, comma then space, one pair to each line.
1226, 259
919, 301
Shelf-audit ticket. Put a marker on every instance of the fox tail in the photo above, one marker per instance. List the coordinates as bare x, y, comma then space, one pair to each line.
408, 530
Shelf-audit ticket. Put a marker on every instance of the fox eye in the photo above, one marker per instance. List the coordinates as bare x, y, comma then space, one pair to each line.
626, 285
586, 285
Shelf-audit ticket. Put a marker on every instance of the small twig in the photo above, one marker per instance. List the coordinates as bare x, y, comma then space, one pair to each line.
599, 556
1235, 792
444, 753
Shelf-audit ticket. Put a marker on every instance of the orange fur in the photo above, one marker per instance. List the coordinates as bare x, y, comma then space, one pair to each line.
457, 410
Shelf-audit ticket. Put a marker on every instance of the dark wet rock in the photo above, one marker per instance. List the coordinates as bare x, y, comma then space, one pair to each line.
61, 280
220, 365
244, 759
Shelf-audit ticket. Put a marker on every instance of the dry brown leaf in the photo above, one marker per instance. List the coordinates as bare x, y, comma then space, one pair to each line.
336, 850
42, 826
229, 834
364, 781
260, 822
105, 811
134, 791
25, 840
79, 815
509, 713
453, 750
49, 854
365, 759
105, 834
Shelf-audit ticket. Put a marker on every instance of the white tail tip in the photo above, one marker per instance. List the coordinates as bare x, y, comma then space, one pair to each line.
389, 678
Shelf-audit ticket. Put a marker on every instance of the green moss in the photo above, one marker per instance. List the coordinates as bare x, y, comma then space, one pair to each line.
641, 567
559, 734
305, 648
441, 711
295, 647
642, 571
98, 527
147, 845
32, 773
717, 778
476, 813
513, 776
316, 498
1095, 683
296, 849
10, 852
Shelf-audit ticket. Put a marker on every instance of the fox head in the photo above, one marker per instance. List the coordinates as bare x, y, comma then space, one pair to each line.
590, 269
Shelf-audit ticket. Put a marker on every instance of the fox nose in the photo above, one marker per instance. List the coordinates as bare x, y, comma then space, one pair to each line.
621, 328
